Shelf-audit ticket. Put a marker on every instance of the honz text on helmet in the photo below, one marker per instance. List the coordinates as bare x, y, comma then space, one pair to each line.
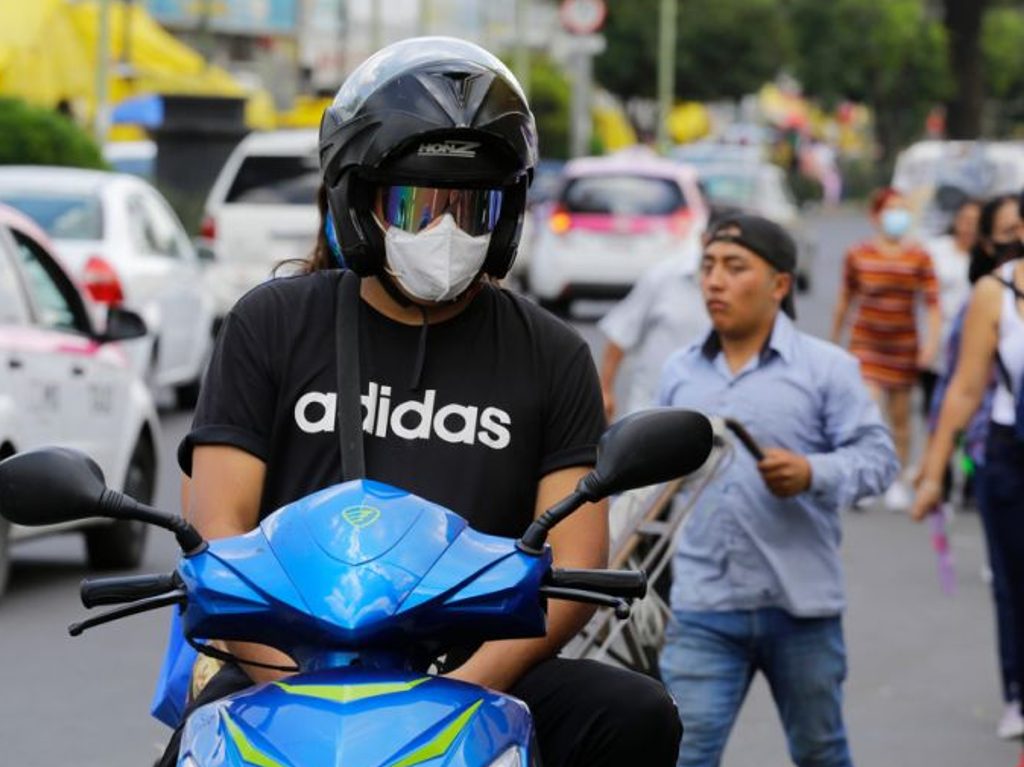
422, 418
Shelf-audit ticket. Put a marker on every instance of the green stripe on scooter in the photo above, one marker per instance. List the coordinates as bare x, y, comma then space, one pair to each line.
349, 693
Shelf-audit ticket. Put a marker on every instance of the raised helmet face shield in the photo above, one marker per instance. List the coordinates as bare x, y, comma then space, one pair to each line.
413, 208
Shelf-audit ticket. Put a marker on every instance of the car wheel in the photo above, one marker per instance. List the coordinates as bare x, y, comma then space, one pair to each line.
5, 554
557, 306
120, 546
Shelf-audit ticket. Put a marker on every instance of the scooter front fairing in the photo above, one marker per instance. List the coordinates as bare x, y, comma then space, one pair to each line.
359, 718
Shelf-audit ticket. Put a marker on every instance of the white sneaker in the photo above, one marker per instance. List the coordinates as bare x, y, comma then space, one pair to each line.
1011, 725
898, 497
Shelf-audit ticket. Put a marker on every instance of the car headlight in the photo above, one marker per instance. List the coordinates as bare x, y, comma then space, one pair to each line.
511, 758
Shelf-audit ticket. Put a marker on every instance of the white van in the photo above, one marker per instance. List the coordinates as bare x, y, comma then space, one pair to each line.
936, 176
261, 211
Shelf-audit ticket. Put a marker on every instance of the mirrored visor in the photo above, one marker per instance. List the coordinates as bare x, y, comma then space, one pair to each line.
413, 208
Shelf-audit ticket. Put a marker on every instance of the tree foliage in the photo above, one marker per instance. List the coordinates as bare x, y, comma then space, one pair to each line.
1002, 44
31, 135
549, 100
725, 48
890, 54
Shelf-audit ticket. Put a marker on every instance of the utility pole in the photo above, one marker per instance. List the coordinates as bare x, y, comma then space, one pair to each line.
522, 54
102, 72
666, 68
426, 17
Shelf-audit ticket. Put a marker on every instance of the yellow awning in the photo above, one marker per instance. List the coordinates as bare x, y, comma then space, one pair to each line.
48, 55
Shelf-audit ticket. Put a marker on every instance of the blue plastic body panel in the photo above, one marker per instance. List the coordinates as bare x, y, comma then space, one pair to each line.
360, 583
421, 720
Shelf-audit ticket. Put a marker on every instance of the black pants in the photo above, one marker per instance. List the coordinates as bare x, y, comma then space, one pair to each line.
585, 714
1004, 493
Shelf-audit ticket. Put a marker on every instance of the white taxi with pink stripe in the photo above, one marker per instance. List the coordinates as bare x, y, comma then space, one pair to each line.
65, 380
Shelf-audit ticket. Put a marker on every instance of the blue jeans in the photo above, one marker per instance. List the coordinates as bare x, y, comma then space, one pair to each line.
710, 658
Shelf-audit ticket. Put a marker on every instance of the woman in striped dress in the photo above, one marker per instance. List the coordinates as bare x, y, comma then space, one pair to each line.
883, 279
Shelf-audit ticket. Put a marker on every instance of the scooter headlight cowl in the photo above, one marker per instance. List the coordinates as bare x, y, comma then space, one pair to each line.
510, 758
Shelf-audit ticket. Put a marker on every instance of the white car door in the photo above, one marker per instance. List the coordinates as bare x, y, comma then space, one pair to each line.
26, 422
165, 257
77, 387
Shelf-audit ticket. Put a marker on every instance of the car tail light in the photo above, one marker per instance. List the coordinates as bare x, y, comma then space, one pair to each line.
679, 223
101, 281
208, 229
560, 221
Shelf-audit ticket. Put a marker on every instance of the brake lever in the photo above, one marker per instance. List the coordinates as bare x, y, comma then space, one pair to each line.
621, 606
177, 597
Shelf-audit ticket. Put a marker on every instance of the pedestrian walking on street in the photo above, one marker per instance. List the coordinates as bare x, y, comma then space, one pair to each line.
757, 580
662, 312
951, 259
883, 278
993, 340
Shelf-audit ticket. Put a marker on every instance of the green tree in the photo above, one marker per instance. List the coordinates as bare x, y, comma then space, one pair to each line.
1002, 44
549, 99
725, 48
31, 135
889, 54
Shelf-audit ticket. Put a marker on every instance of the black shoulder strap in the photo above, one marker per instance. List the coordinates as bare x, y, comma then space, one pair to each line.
346, 353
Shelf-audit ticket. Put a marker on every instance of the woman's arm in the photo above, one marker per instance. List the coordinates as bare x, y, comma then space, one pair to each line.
932, 339
846, 292
579, 541
965, 393
223, 499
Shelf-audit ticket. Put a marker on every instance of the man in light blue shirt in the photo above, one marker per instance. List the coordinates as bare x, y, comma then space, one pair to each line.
757, 581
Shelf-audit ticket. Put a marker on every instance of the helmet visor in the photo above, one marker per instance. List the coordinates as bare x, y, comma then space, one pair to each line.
413, 208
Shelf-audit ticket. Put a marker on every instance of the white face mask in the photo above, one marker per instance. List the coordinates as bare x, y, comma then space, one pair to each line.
437, 264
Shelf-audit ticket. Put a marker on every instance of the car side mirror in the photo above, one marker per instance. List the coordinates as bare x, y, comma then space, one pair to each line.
123, 325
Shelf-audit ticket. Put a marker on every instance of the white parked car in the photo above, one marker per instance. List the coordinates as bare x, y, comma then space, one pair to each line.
613, 218
63, 381
125, 244
261, 210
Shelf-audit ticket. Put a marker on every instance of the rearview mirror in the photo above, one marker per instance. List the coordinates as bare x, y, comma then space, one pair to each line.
647, 448
50, 485
57, 484
644, 448
123, 325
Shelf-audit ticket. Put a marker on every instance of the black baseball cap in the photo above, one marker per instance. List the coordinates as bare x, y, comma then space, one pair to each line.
765, 238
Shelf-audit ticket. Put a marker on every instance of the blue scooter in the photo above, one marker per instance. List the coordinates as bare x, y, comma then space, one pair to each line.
362, 584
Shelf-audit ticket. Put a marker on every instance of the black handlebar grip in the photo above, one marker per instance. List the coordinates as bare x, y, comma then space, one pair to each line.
119, 590
628, 584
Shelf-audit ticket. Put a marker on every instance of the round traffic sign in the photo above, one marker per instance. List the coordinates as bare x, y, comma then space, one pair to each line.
582, 17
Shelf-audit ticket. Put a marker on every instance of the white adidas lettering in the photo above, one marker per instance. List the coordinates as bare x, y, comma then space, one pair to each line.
316, 412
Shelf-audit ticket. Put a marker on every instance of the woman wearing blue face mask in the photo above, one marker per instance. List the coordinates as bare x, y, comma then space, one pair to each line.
883, 279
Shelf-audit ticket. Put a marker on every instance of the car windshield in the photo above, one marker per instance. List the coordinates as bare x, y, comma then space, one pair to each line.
276, 180
623, 195
729, 189
62, 216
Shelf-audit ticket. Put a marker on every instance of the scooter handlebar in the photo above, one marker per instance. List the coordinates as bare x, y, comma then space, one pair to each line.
123, 589
627, 584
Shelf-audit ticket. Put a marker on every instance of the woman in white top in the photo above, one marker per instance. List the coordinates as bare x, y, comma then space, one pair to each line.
951, 259
993, 335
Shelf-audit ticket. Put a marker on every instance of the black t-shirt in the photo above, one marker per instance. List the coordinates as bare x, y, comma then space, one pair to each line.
507, 394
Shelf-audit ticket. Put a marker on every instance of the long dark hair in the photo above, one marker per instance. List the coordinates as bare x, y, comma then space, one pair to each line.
320, 257
982, 261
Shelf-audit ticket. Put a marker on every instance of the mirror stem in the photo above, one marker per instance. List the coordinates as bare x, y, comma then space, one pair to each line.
536, 534
121, 506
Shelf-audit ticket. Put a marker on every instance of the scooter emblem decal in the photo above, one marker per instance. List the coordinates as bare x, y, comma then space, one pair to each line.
360, 516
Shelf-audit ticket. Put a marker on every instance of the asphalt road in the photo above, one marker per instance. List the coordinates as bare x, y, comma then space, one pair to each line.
922, 690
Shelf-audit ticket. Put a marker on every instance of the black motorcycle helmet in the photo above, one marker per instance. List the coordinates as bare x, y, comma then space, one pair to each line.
428, 111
